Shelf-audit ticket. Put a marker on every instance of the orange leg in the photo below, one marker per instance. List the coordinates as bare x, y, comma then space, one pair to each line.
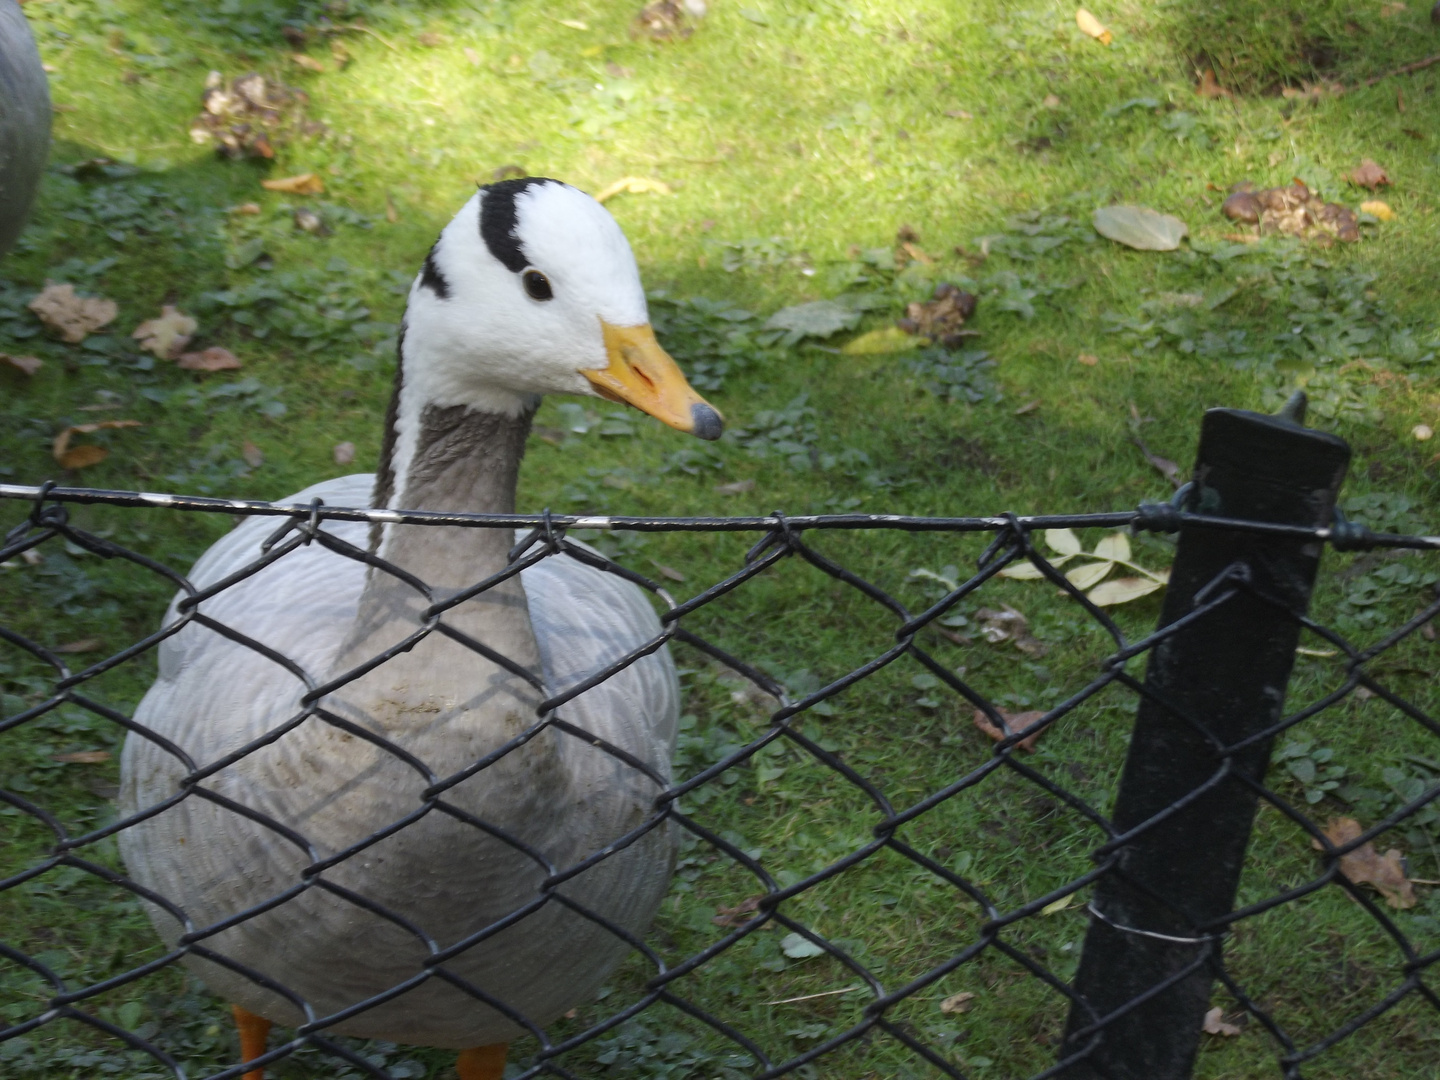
482, 1062
253, 1032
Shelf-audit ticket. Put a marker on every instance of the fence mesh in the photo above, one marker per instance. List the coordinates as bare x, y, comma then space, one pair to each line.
756, 966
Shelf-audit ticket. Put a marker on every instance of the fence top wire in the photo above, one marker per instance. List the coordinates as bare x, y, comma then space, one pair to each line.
1154, 517
667, 983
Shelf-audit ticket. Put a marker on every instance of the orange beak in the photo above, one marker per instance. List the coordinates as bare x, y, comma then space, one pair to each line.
642, 374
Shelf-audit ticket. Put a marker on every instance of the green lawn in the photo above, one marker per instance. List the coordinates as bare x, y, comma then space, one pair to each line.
796, 138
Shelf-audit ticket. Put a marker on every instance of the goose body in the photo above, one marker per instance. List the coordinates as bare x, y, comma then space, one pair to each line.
454, 437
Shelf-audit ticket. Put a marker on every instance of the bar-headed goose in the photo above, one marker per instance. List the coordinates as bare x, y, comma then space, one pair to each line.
531, 289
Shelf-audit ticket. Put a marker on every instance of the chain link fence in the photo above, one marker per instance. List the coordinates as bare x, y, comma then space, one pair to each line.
755, 966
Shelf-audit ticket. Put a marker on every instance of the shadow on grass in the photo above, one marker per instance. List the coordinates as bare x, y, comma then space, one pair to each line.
1260, 46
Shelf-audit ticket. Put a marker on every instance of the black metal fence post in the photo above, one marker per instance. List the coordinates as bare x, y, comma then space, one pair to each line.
1221, 679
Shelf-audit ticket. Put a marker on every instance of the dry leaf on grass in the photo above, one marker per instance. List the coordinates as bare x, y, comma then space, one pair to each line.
89, 644
71, 316
942, 317
738, 915
662, 20
635, 185
82, 757
304, 184
309, 63
244, 117
1015, 722
214, 358
1378, 209
1007, 624
78, 457
26, 365
167, 335
253, 455
667, 571
1088, 359
887, 339
1210, 88
1215, 1024
735, 487
962, 1002
1365, 865
1088, 24
344, 453
1369, 175
1140, 228
1294, 210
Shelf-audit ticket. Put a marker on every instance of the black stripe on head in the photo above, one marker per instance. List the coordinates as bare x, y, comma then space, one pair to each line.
498, 218
432, 279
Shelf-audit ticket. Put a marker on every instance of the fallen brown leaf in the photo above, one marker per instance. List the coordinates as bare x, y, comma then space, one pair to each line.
962, 1002
1088, 359
253, 455
89, 644
79, 457
1028, 407
635, 185
214, 358
667, 571
1215, 1024
309, 63
26, 365
735, 487
1209, 88
1015, 722
245, 116
1368, 175
1293, 210
1088, 24
344, 453
167, 335
1365, 865
246, 208
1007, 624
662, 20
304, 184
738, 915
71, 316
82, 757
1164, 466
942, 317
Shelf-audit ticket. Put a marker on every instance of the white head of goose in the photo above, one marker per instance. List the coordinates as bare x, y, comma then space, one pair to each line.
460, 919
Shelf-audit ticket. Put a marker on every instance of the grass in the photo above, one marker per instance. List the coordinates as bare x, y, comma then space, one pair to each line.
797, 138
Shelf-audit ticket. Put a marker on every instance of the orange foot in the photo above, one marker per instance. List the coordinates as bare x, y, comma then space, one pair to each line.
481, 1062
253, 1032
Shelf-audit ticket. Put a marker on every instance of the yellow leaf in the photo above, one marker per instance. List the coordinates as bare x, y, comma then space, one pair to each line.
962, 1002
635, 185
79, 457
1021, 571
1082, 577
1058, 905
1379, 209
1063, 541
888, 339
1088, 24
304, 184
1122, 591
1115, 546
167, 335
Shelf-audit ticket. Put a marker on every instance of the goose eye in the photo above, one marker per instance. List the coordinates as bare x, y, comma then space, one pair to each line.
537, 285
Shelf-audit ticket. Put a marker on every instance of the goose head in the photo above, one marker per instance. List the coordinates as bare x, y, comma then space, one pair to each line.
532, 289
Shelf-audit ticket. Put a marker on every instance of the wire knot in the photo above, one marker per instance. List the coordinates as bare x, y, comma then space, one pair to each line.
1346, 535
1163, 517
